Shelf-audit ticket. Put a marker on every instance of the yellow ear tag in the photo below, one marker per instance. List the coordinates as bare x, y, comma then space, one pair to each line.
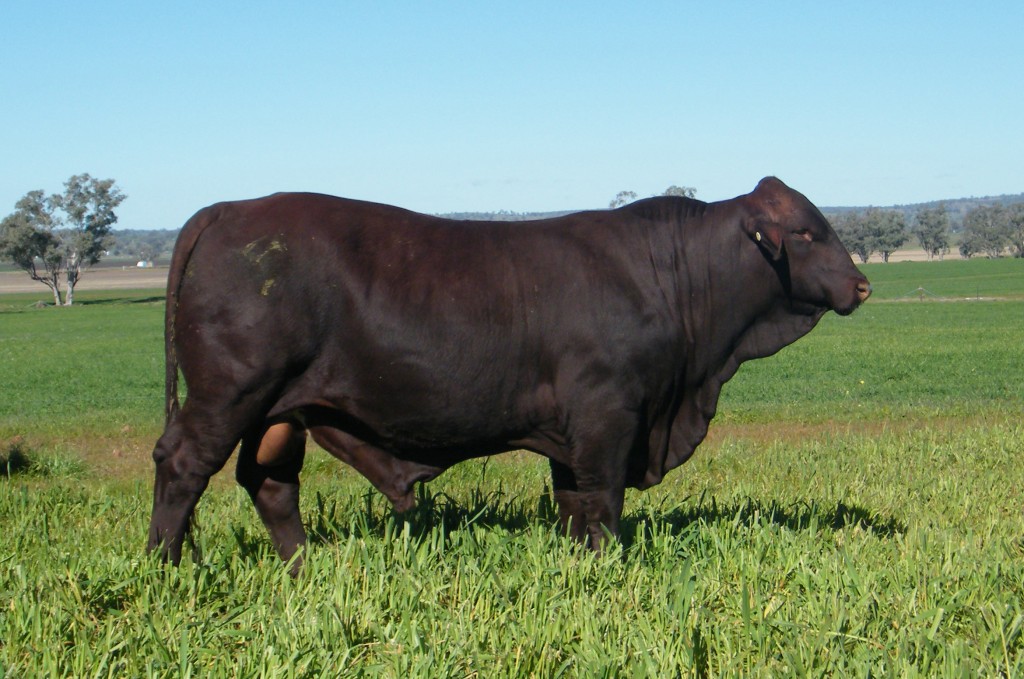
757, 236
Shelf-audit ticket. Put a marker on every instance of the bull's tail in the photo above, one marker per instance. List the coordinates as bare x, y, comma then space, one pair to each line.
183, 248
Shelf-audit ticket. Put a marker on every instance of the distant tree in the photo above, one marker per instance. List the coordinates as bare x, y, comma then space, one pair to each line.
28, 240
146, 252
986, 231
683, 191
972, 243
89, 205
851, 227
63, 233
1016, 228
621, 198
871, 231
887, 229
931, 227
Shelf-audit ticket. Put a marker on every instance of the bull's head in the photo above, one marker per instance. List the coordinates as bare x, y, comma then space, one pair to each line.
814, 266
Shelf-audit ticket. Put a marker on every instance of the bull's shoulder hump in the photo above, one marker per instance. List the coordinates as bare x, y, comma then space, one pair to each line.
662, 208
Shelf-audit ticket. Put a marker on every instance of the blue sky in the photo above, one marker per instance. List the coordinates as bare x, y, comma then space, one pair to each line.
523, 106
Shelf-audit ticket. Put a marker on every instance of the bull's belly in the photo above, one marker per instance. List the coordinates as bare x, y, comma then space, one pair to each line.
431, 409
428, 437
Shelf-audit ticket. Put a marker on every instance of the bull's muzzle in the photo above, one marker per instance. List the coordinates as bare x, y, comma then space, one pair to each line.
863, 290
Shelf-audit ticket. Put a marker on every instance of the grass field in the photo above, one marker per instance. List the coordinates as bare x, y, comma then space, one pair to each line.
856, 510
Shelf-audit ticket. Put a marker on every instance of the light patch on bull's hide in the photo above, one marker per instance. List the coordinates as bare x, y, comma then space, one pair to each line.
264, 254
256, 254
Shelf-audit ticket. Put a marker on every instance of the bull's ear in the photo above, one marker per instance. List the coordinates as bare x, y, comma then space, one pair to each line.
767, 234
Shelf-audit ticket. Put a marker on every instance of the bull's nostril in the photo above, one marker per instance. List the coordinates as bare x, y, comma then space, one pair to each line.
863, 290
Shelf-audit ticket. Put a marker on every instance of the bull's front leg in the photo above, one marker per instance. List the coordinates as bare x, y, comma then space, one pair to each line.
590, 486
591, 509
604, 510
571, 515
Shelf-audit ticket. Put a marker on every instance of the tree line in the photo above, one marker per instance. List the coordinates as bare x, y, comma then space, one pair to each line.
993, 230
990, 230
144, 245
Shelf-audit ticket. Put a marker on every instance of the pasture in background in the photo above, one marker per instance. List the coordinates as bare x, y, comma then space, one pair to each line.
857, 508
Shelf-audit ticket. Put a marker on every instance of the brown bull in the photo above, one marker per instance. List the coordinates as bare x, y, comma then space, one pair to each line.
405, 343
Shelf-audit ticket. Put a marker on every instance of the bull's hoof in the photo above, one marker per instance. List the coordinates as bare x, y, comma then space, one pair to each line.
403, 503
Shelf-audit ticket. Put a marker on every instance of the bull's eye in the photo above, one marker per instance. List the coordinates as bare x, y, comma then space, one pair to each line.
803, 234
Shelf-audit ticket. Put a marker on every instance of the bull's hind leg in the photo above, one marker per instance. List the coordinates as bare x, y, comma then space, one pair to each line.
188, 453
268, 468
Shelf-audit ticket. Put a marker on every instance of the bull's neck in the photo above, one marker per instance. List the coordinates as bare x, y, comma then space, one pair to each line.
726, 287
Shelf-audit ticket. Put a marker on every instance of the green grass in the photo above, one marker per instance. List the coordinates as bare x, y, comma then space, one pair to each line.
856, 511
850, 554
890, 361
952, 279
85, 380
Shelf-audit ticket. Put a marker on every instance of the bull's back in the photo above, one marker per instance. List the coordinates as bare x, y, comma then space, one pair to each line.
320, 252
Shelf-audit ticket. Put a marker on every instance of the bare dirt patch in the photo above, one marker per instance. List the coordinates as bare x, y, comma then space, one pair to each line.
125, 278
913, 255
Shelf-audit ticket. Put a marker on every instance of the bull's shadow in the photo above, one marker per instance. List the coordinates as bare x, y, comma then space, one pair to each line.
332, 521
749, 512
327, 524
494, 509
121, 300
